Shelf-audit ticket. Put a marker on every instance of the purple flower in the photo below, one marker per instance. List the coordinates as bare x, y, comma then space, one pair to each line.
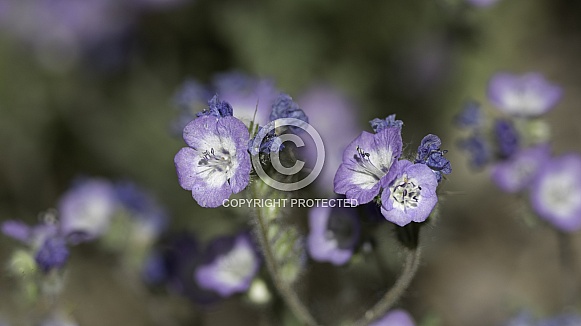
319, 103
529, 95
430, 154
506, 137
378, 124
86, 209
482, 3
470, 116
270, 142
217, 108
230, 265
516, 173
333, 234
150, 218
522, 319
396, 317
367, 164
216, 164
46, 240
53, 253
556, 192
568, 319
251, 98
285, 107
174, 266
411, 196
191, 98
478, 149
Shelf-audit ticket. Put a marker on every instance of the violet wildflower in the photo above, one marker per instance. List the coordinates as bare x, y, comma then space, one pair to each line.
367, 164
430, 154
506, 137
229, 266
411, 196
319, 103
86, 209
46, 240
216, 164
482, 3
270, 142
379, 124
470, 116
252, 98
516, 173
174, 266
478, 149
333, 234
568, 319
285, 107
556, 192
528, 95
53, 253
192, 97
396, 317
217, 108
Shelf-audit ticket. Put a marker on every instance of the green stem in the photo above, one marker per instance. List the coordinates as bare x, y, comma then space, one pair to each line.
412, 262
285, 290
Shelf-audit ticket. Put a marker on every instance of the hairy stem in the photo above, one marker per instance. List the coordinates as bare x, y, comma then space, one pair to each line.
285, 290
411, 264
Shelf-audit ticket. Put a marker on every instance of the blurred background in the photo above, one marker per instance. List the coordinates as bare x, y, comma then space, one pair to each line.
87, 89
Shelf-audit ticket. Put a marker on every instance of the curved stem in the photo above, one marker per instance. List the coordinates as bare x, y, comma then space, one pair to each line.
288, 294
412, 262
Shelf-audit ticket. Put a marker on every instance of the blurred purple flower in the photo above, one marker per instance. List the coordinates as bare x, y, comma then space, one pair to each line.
470, 116
150, 217
411, 196
507, 138
367, 164
478, 149
319, 103
216, 164
192, 97
333, 234
556, 192
86, 209
482, 3
174, 266
524, 318
528, 95
217, 108
567, 319
516, 173
248, 96
46, 240
53, 253
379, 124
396, 317
229, 265
430, 154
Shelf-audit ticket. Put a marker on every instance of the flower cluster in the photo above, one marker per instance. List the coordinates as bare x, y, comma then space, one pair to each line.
372, 170
515, 143
216, 163
88, 211
226, 266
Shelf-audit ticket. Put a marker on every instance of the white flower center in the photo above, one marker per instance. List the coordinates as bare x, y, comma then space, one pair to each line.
405, 193
218, 163
561, 194
236, 266
364, 160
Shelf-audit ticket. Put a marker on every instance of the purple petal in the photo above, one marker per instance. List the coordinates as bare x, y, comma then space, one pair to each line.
17, 230
320, 246
186, 161
518, 172
411, 196
556, 192
396, 317
528, 95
